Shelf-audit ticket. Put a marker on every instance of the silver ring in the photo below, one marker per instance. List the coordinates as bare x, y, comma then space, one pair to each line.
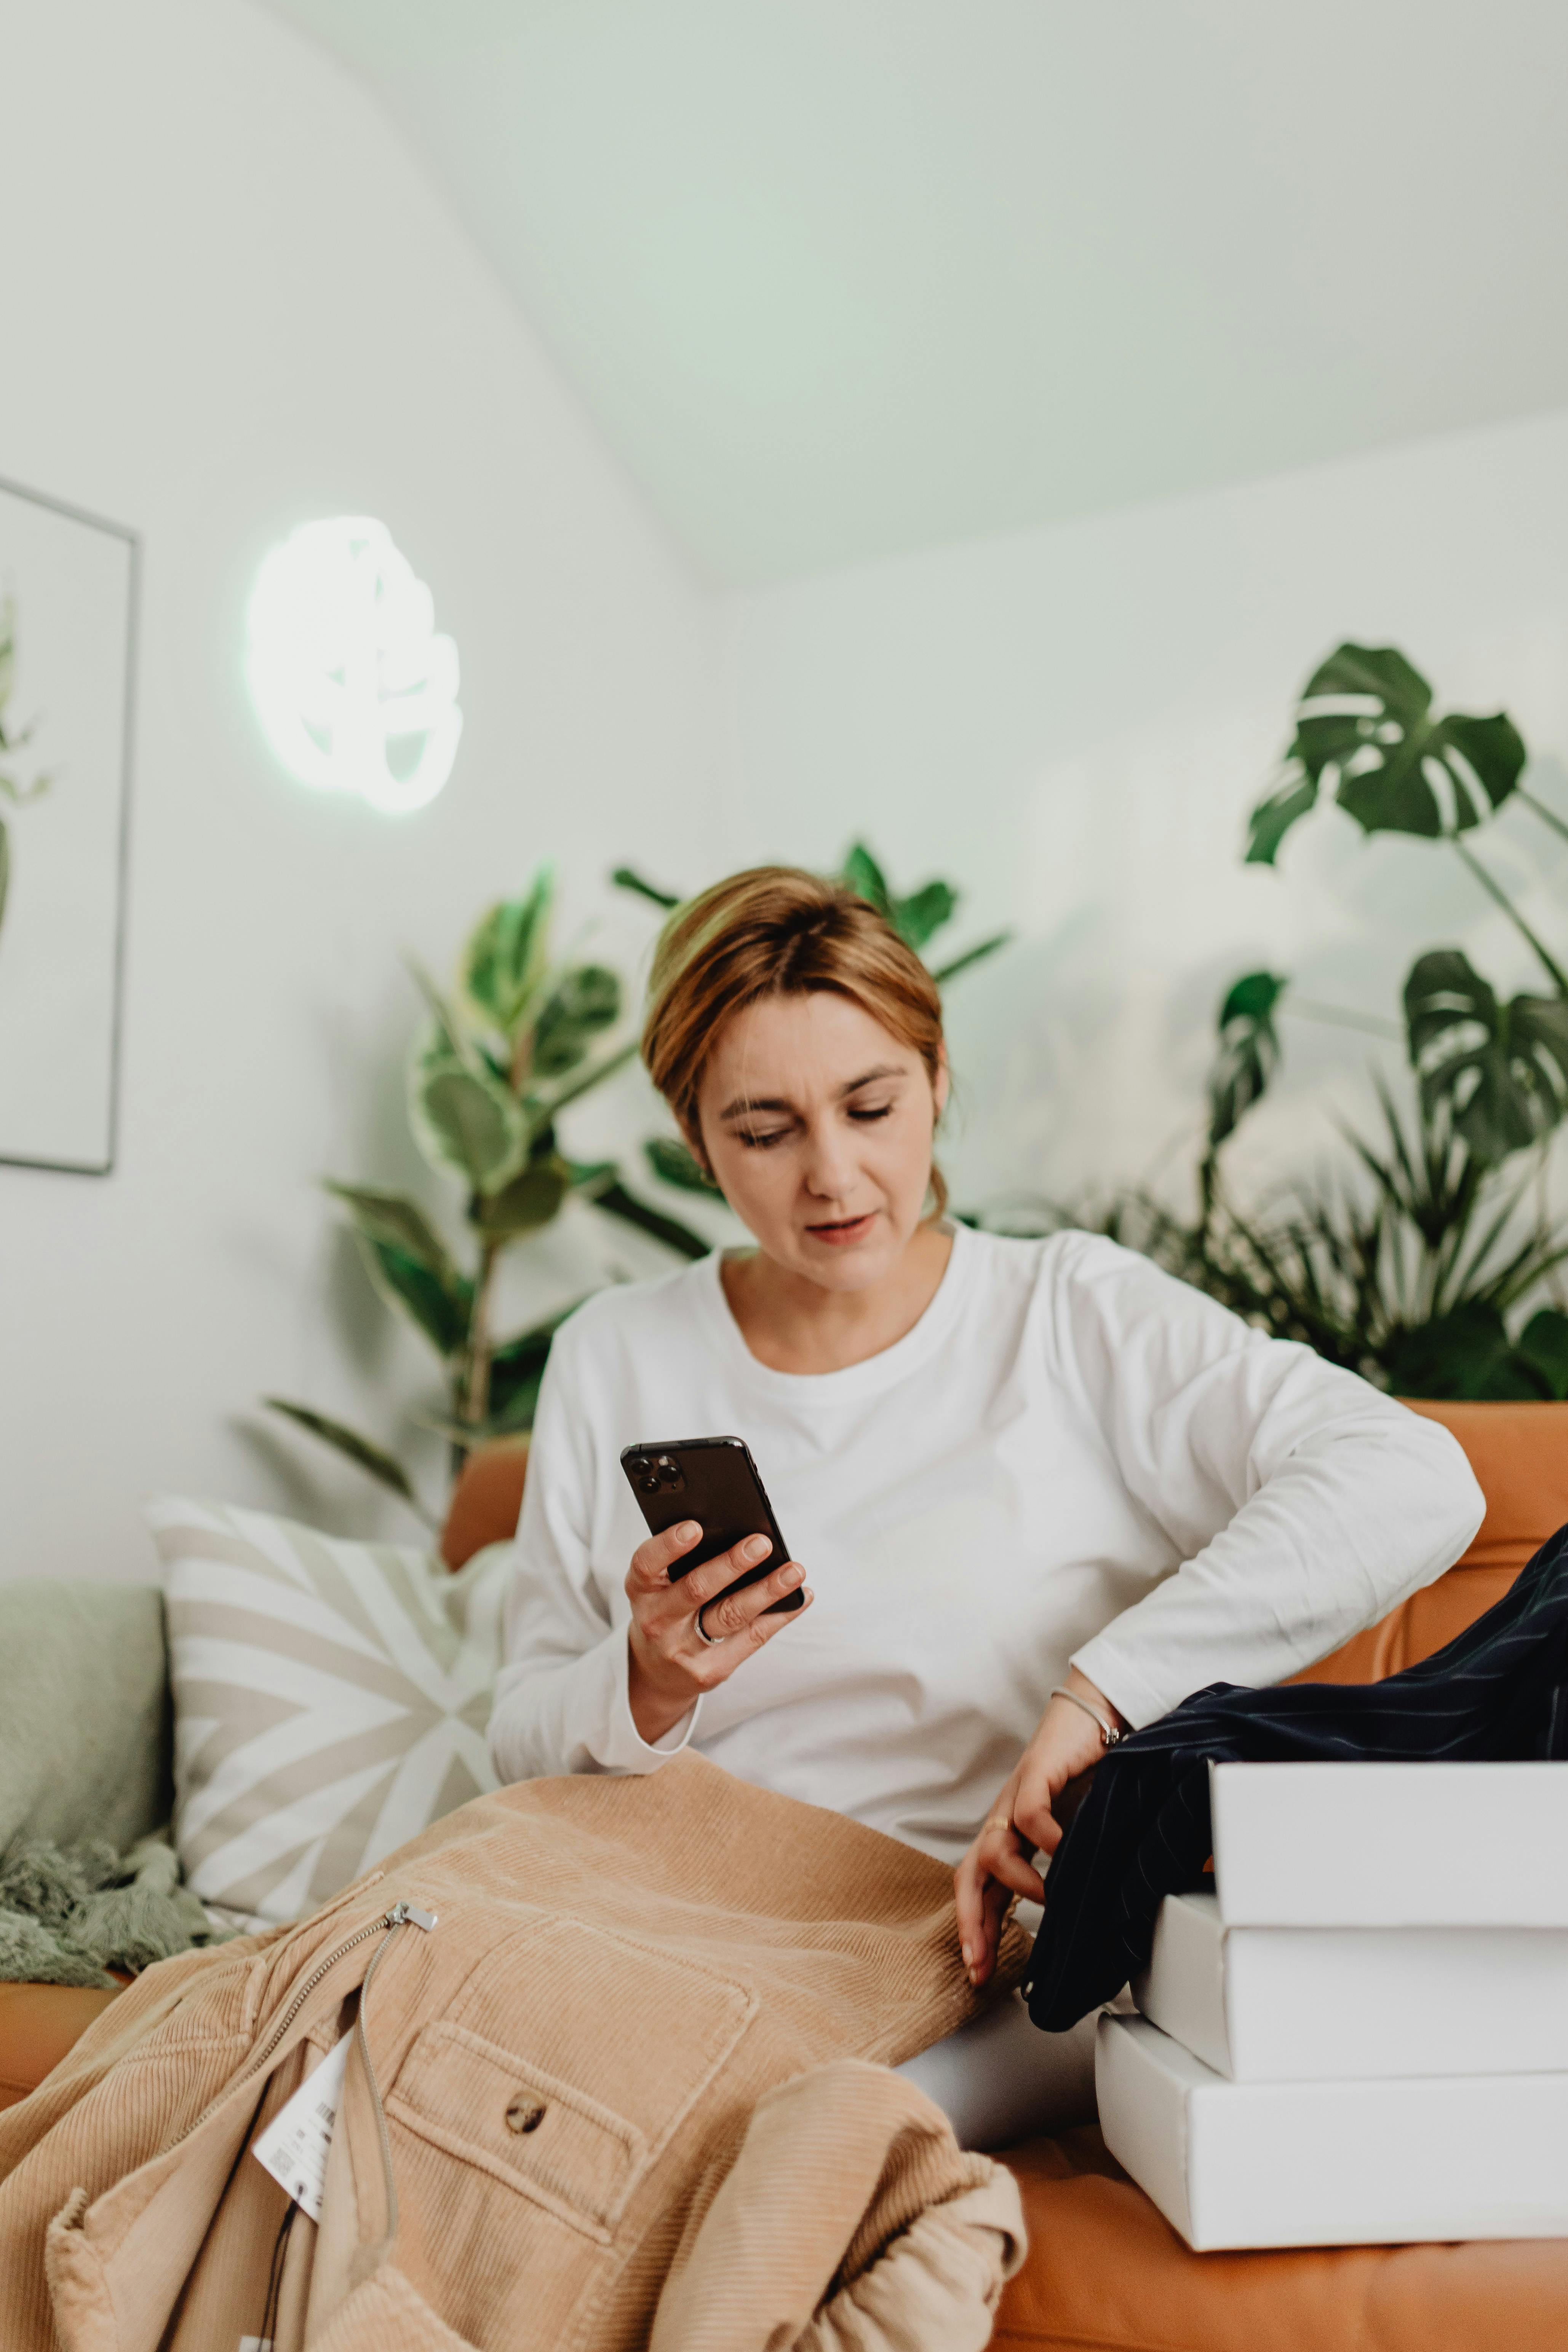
712, 1640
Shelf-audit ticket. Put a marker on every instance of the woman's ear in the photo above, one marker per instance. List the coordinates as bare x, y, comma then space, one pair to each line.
941, 1085
692, 1135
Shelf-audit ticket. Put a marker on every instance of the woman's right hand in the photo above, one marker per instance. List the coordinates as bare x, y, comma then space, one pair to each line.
671, 1664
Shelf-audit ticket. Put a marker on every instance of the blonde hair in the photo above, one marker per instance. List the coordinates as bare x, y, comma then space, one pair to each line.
776, 930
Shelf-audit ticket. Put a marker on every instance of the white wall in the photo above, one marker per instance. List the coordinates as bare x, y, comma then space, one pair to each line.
232, 302
1075, 721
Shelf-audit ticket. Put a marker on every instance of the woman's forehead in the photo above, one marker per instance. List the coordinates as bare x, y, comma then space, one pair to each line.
814, 1044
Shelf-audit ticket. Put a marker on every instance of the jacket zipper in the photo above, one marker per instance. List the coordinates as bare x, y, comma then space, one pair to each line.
401, 1915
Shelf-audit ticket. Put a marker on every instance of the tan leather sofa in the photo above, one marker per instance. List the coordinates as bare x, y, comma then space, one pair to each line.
1106, 2272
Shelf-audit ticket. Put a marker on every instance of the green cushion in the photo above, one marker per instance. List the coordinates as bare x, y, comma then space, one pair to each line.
85, 1723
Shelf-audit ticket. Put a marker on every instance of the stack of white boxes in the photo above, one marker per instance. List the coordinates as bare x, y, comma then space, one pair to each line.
1362, 2036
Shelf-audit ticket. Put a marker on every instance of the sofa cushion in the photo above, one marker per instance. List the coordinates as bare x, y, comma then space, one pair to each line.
84, 1712
1106, 2270
330, 1700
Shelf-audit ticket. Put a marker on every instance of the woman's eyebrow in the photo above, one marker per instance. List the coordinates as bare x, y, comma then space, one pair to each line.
883, 1070
744, 1106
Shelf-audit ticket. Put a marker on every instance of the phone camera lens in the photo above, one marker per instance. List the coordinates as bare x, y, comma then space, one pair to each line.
649, 1484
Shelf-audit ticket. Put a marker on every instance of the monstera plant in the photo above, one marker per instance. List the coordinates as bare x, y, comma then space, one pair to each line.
916, 917
492, 1068
1416, 1276
13, 740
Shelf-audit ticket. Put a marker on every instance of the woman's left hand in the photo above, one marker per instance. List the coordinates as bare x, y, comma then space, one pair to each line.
1000, 1864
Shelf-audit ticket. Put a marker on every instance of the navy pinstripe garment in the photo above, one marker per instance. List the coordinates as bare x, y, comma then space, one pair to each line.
1498, 1692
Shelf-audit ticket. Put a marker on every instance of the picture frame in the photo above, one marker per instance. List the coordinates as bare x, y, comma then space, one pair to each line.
69, 591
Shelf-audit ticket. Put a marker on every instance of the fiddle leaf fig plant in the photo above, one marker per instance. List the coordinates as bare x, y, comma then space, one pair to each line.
492, 1068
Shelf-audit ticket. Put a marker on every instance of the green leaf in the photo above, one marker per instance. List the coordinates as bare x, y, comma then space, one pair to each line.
1464, 1354
616, 1201
410, 1263
1365, 729
542, 1110
463, 1117
944, 972
1248, 1051
1272, 818
625, 878
591, 1176
393, 1217
1543, 1346
1502, 1069
916, 917
673, 1162
362, 1451
508, 954
529, 1201
867, 879
517, 1369
583, 1001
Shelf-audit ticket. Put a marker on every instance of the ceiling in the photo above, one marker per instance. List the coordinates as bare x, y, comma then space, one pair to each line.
842, 279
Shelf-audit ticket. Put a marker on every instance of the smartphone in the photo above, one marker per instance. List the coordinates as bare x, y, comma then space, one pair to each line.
714, 1481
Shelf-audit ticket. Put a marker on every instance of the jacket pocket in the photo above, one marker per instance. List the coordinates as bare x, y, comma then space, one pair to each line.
566, 2063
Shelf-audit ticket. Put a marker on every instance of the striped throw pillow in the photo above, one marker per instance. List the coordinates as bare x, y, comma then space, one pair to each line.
330, 1700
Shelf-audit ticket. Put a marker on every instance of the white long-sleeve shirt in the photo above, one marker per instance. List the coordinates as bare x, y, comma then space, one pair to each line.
1072, 1458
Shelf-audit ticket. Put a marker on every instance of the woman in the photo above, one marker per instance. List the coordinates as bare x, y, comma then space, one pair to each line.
1043, 1490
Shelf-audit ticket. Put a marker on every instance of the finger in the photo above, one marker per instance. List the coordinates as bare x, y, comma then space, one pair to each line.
737, 1612
713, 1575
651, 1560
1036, 1823
1013, 1869
993, 1908
969, 1881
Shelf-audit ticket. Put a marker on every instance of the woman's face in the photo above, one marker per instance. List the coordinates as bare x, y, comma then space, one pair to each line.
817, 1126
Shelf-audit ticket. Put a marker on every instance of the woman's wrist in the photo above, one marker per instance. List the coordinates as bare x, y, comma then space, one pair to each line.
656, 1702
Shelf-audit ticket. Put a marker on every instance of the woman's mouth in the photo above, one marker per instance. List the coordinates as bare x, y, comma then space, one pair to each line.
838, 1234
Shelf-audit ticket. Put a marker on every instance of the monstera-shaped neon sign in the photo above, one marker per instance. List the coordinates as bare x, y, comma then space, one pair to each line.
356, 688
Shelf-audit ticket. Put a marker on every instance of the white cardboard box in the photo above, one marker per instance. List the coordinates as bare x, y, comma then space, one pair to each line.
1330, 2005
1391, 1845
1331, 2163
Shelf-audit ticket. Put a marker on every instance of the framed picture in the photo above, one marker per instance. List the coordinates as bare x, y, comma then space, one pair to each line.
67, 622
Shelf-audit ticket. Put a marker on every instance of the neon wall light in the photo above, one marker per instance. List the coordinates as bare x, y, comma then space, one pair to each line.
355, 688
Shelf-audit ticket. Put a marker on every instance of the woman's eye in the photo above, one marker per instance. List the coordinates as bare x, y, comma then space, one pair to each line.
760, 1142
882, 1111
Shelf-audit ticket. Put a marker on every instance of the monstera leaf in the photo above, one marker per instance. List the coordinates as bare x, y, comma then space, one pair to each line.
508, 954
1503, 1068
1365, 729
1248, 1051
583, 1001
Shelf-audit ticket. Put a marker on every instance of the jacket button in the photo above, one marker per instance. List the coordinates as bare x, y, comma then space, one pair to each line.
525, 2115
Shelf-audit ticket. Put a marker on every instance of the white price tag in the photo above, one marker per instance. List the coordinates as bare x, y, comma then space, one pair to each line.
293, 2147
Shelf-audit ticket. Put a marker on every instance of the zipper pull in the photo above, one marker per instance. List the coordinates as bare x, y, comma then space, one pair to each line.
409, 1914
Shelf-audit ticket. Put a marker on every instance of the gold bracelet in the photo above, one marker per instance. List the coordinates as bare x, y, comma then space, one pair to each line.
1108, 1734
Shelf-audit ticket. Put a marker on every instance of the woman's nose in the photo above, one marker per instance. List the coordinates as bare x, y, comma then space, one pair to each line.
832, 1170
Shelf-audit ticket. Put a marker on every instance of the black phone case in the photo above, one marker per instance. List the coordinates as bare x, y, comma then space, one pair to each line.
714, 1481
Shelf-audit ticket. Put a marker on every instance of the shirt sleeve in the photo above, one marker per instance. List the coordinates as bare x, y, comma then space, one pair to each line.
562, 1702
1301, 1504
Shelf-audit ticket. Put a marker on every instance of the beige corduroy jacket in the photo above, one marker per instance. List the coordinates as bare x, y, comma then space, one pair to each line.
617, 2095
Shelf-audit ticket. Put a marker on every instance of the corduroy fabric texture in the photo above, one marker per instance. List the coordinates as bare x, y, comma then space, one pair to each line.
644, 1960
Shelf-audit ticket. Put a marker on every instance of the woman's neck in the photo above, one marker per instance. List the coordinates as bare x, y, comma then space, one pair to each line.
794, 1325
